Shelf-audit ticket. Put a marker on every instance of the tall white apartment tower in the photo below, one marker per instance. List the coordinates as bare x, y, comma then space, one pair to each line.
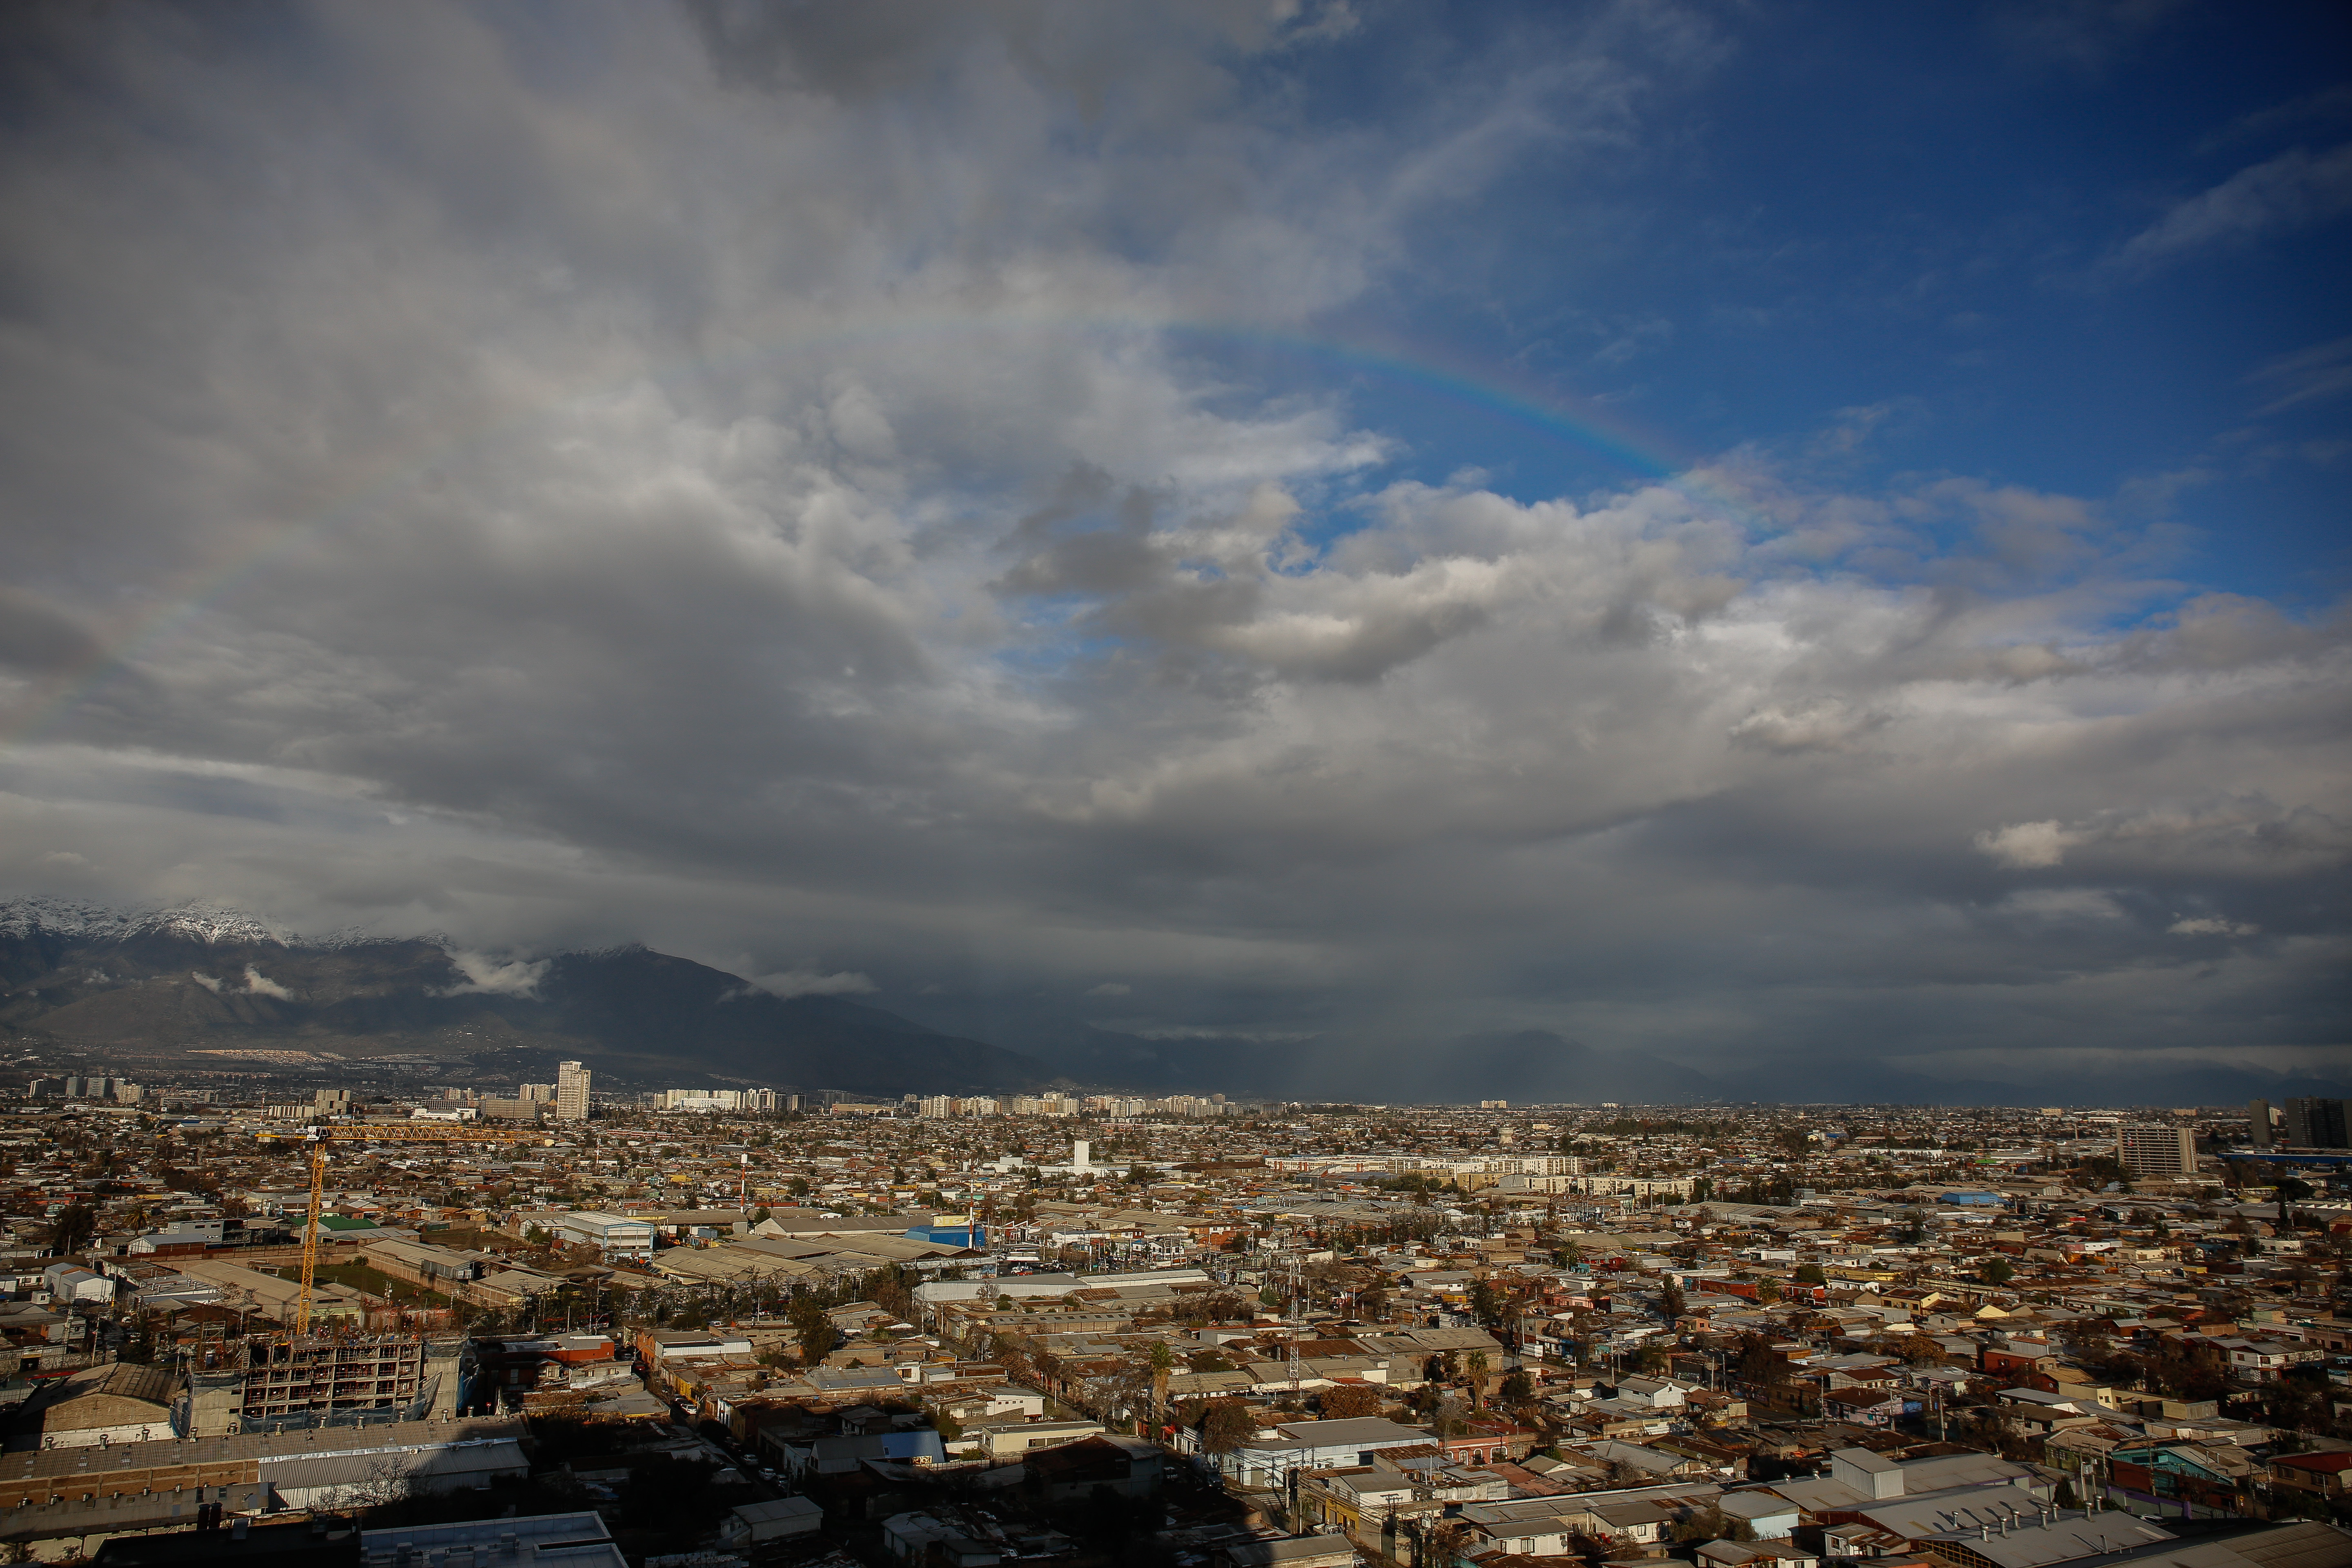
571, 1091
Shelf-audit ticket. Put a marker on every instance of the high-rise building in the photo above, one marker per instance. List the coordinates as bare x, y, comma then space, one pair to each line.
2154, 1150
2313, 1123
571, 1091
536, 1093
2257, 1123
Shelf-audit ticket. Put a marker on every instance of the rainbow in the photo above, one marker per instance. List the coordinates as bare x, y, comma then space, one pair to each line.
1580, 423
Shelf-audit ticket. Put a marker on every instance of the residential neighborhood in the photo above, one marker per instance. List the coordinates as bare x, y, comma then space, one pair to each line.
1069, 1328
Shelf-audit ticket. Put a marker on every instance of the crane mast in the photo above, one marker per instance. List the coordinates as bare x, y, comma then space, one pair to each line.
320, 1135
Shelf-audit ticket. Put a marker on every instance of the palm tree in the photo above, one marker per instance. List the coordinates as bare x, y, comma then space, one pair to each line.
1478, 1369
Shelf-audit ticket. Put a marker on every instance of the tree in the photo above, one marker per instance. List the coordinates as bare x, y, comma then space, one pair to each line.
1697, 1524
1347, 1400
1226, 1425
1811, 1274
813, 1328
70, 1228
1476, 1367
1670, 1305
1997, 1271
1487, 1304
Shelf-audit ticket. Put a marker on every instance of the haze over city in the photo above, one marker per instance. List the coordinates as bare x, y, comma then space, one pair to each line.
1793, 542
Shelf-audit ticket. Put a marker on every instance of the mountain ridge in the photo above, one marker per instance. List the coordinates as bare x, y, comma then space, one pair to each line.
165, 988
170, 988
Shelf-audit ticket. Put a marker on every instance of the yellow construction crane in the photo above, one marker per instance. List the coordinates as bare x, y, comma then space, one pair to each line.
323, 1133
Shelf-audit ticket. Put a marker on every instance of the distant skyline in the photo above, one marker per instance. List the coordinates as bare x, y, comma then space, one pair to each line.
1769, 540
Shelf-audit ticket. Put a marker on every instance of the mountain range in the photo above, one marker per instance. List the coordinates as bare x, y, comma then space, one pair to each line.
180, 985
204, 988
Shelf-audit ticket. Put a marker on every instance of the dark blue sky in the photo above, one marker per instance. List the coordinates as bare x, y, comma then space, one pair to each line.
1920, 210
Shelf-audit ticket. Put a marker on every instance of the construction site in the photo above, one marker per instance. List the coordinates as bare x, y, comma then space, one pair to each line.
273, 1385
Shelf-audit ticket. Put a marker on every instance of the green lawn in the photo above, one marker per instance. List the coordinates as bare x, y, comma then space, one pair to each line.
360, 1277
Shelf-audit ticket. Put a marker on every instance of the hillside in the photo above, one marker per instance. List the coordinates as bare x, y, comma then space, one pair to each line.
169, 988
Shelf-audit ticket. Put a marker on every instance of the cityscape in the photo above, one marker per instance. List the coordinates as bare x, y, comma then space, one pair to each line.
775, 1325
1175, 784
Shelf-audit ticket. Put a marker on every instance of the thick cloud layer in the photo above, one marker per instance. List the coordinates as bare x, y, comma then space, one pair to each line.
729, 476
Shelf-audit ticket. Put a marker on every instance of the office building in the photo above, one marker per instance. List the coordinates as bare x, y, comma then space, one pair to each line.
2155, 1151
2257, 1123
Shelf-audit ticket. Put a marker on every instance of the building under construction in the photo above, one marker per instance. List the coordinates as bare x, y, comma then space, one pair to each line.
260, 1385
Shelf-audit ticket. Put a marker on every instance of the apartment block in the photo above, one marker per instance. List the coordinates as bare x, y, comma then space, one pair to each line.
2155, 1151
571, 1091
2313, 1123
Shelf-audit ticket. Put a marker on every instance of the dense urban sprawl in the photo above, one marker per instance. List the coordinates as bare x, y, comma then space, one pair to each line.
1074, 1329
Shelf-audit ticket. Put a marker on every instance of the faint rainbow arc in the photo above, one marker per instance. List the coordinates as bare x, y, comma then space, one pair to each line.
1613, 439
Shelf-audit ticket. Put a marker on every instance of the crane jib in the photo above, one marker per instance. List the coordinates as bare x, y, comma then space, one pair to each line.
319, 1135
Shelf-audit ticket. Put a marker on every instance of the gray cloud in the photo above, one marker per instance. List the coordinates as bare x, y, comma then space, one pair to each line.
720, 477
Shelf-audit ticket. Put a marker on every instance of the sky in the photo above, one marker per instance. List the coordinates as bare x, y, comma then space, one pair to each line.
1771, 537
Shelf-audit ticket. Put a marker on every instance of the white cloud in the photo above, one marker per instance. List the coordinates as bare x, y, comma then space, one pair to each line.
2308, 376
490, 976
2247, 832
210, 982
1823, 725
1108, 988
2292, 191
2026, 846
260, 984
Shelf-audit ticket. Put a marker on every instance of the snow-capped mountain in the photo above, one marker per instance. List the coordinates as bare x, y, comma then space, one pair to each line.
152, 985
196, 921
